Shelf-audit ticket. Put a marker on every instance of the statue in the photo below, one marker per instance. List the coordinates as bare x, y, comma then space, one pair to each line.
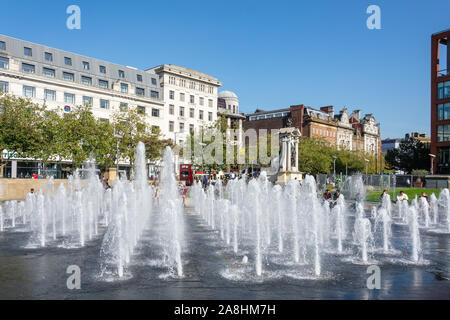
289, 138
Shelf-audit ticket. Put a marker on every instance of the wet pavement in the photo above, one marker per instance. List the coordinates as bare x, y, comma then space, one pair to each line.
209, 272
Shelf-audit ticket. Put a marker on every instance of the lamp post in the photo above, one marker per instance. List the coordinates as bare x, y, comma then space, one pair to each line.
367, 166
432, 156
334, 166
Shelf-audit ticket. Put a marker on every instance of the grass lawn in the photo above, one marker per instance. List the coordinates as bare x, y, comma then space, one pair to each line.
411, 192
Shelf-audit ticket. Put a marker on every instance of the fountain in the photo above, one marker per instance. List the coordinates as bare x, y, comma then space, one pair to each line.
383, 223
413, 223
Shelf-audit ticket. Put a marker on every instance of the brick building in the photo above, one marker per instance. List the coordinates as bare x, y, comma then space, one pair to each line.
344, 131
440, 102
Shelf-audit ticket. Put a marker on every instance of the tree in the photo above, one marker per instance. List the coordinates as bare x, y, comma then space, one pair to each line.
315, 156
411, 154
20, 128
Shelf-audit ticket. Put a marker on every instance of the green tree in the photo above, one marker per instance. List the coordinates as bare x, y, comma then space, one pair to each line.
315, 156
411, 154
20, 127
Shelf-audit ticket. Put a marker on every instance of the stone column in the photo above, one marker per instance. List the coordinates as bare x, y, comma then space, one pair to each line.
289, 156
296, 155
283, 155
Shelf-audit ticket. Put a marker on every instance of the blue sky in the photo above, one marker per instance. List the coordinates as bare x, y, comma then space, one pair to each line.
273, 54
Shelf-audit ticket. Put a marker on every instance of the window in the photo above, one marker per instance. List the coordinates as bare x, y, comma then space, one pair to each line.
29, 91
123, 106
69, 98
121, 74
443, 133
171, 95
140, 110
210, 116
191, 112
86, 80
68, 76
155, 113
85, 65
48, 72
3, 86
48, 56
192, 99
211, 90
191, 85
102, 69
191, 128
181, 111
443, 90
444, 111
27, 51
234, 109
103, 84
181, 127
28, 68
182, 97
202, 87
182, 83
200, 114
124, 88
140, 91
154, 81
104, 104
87, 100
210, 103
202, 101
171, 80
171, 109
139, 77
67, 61
171, 126
154, 94
49, 95
4, 63
2, 45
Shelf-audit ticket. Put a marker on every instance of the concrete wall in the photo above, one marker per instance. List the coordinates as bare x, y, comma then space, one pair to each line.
17, 189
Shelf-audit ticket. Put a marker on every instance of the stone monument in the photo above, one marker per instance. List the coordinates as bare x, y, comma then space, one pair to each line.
289, 138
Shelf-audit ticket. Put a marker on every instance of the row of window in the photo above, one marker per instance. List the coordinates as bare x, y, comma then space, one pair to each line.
323, 132
48, 56
443, 90
181, 127
269, 116
201, 100
50, 95
69, 76
191, 84
181, 112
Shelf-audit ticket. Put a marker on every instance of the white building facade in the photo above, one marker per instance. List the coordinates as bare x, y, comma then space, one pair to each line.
190, 100
175, 99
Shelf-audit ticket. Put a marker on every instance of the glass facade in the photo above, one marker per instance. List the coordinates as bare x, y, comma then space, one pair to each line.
443, 90
443, 133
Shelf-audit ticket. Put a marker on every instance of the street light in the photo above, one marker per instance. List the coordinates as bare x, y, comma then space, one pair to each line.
367, 165
334, 166
432, 156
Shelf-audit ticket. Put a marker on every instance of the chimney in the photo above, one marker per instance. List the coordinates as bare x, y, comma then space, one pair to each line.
329, 110
356, 114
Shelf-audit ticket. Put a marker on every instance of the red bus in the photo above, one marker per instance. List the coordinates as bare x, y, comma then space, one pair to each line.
186, 174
